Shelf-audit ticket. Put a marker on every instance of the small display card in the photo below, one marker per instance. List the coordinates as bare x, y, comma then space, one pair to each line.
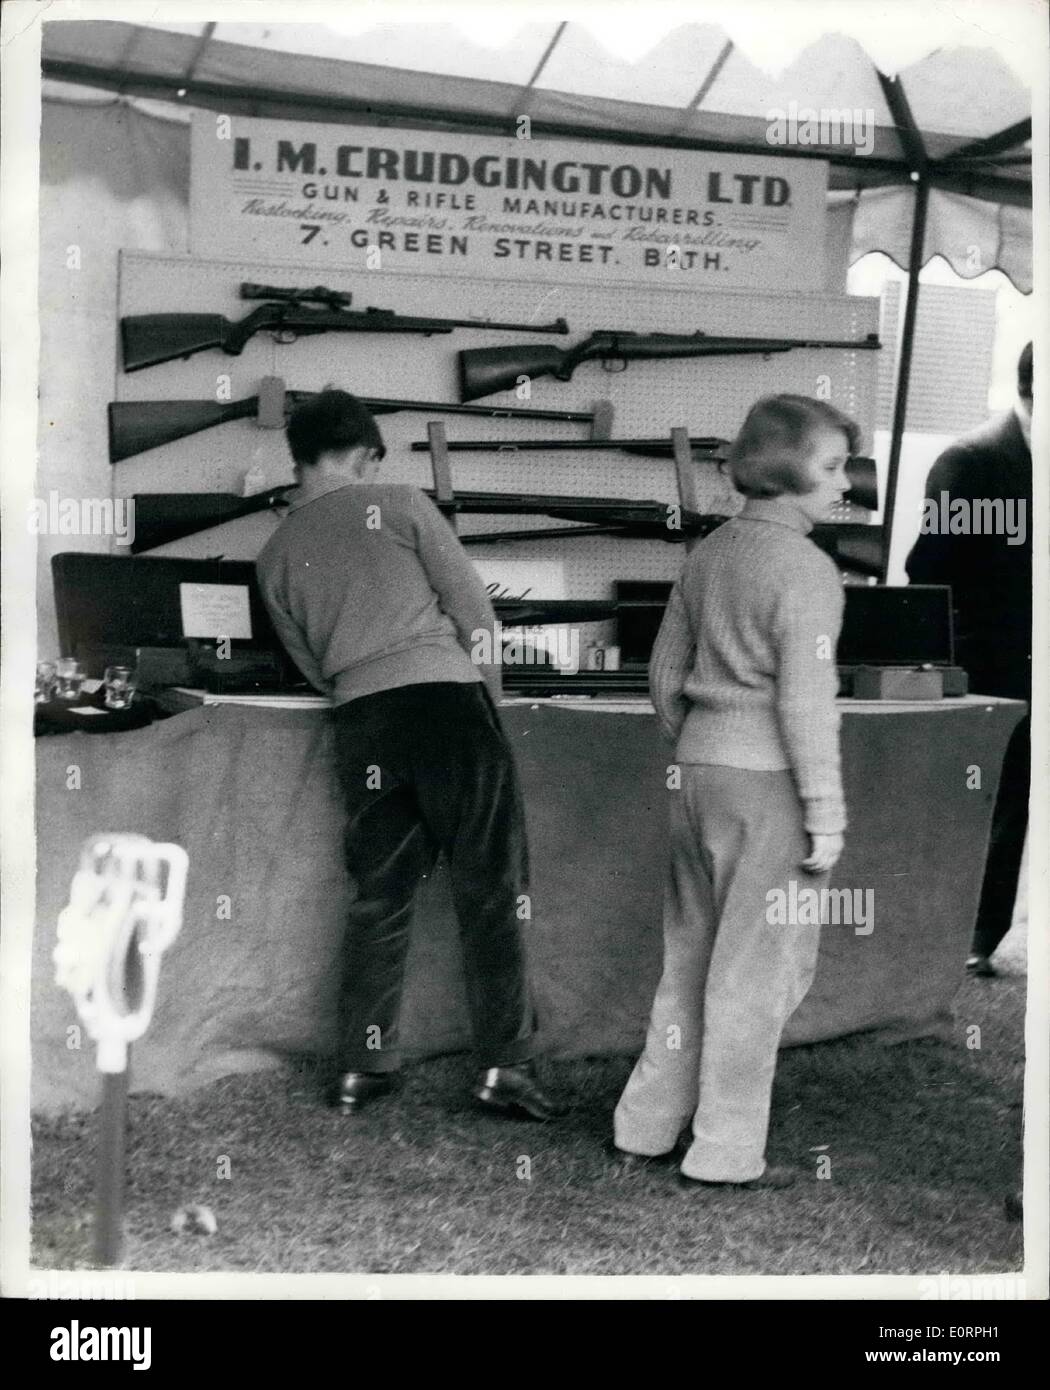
215, 610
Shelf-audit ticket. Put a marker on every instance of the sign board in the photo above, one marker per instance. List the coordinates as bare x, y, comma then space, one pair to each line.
510, 579
215, 610
374, 198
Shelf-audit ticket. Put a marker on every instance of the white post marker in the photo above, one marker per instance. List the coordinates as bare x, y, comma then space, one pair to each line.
125, 910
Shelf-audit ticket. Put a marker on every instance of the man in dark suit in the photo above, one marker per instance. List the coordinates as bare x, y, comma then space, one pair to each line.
989, 569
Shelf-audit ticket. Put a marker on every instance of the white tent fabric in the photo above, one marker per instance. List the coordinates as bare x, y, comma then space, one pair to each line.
694, 87
971, 235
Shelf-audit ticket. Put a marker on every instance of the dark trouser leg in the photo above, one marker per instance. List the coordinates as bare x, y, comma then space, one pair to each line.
468, 790
1006, 846
388, 852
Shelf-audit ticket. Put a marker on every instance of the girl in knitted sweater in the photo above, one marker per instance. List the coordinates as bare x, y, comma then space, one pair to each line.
743, 678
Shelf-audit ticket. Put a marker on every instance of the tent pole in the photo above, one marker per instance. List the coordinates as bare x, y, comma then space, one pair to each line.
900, 406
992, 145
914, 150
268, 104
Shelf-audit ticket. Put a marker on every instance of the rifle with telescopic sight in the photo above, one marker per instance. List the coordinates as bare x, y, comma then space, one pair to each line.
147, 340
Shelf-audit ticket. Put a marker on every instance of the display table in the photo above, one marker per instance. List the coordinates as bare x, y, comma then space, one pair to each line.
250, 794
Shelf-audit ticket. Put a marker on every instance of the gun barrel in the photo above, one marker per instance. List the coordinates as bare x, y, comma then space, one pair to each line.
341, 299
655, 448
540, 504
535, 612
380, 406
618, 511
559, 326
390, 321
543, 533
869, 343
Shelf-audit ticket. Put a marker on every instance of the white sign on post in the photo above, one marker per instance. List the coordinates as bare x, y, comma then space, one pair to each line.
358, 196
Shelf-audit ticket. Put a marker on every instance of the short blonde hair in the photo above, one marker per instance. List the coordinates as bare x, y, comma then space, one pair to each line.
770, 455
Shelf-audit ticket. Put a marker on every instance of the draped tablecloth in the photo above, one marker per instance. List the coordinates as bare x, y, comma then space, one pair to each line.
250, 793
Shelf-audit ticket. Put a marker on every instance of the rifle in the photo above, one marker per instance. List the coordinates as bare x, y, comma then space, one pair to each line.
643, 526
616, 511
647, 448
150, 339
535, 612
161, 517
138, 426
854, 546
863, 490
550, 533
483, 371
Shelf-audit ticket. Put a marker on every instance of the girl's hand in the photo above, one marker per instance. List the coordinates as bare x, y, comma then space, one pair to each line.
824, 852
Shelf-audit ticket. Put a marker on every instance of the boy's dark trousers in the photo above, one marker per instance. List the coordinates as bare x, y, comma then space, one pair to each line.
426, 768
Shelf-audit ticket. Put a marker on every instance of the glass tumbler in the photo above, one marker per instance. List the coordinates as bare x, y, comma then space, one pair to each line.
120, 684
45, 682
69, 677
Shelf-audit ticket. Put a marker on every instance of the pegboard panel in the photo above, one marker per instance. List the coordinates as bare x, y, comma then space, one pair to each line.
710, 396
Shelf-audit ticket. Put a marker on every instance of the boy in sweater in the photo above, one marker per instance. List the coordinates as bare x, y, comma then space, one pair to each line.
743, 677
380, 608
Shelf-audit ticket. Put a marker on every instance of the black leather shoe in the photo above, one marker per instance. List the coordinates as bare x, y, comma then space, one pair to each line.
515, 1092
773, 1179
628, 1162
982, 967
356, 1089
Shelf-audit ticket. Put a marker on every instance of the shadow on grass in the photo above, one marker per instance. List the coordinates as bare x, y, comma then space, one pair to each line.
919, 1144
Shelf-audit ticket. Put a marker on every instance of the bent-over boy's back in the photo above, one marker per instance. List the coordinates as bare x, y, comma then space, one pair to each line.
369, 590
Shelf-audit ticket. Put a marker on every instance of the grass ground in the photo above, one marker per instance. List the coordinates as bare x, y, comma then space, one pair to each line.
923, 1142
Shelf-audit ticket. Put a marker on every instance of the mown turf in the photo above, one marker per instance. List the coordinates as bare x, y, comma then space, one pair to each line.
922, 1142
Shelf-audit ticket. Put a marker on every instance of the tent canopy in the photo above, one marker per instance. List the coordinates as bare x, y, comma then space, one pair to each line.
959, 117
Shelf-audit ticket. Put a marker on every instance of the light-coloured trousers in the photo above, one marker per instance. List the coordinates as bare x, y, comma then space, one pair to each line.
731, 978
